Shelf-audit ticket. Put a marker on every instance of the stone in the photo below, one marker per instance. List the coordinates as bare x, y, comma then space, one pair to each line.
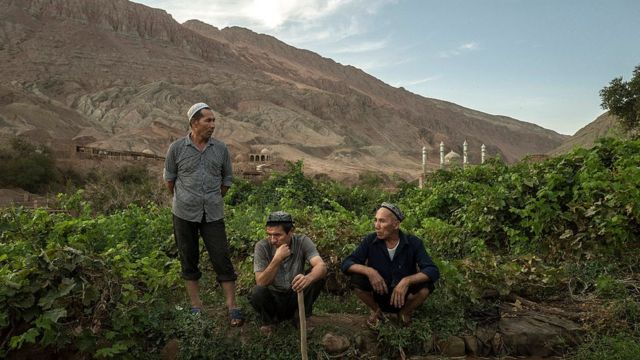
452, 346
335, 344
471, 344
538, 334
497, 345
366, 342
484, 336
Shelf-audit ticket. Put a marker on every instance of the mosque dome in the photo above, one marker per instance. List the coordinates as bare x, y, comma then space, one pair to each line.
452, 156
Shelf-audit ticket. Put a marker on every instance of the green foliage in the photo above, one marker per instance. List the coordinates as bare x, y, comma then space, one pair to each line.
609, 287
621, 347
396, 340
289, 190
103, 281
132, 174
91, 284
580, 205
204, 337
27, 166
622, 98
131, 184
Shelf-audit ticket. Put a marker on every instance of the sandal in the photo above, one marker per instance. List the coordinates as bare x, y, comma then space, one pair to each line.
195, 310
236, 317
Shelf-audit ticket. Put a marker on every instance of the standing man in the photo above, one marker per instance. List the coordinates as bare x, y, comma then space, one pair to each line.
390, 270
198, 173
278, 262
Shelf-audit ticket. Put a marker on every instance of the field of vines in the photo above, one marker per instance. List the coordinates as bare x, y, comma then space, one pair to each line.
91, 282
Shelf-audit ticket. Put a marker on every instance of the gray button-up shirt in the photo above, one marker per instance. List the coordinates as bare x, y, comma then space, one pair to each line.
197, 177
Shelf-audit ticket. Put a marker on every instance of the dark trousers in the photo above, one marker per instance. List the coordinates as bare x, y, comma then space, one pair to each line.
214, 236
384, 300
275, 306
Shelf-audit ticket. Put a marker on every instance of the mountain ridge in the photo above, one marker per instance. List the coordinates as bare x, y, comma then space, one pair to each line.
120, 67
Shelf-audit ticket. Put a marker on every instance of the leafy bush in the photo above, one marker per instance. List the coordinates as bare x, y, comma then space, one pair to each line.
94, 285
611, 348
27, 166
103, 282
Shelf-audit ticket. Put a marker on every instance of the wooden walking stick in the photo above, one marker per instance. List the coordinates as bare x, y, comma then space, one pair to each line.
303, 326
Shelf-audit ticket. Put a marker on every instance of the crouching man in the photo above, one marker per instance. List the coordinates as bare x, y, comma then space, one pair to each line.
390, 270
278, 263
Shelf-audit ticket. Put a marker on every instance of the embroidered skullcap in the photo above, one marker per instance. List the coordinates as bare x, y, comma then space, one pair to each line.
394, 209
195, 108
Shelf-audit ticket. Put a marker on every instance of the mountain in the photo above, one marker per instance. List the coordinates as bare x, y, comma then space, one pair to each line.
604, 125
120, 75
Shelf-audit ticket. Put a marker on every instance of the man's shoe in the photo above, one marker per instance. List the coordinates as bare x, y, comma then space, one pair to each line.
236, 317
195, 311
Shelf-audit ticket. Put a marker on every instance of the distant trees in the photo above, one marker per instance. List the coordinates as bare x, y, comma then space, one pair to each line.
27, 166
622, 99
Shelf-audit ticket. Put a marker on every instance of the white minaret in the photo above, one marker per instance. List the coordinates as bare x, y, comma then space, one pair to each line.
441, 154
483, 153
424, 160
465, 147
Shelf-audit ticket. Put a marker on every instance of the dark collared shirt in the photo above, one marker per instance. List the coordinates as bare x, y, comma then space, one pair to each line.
410, 257
197, 177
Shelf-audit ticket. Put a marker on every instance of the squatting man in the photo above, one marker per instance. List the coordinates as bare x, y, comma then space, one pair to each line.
390, 270
278, 263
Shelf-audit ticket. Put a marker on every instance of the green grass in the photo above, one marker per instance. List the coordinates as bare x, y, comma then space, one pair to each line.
619, 347
335, 304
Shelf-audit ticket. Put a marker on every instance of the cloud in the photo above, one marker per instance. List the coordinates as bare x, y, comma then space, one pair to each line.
464, 48
274, 13
310, 32
368, 63
339, 27
468, 46
301, 23
418, 82
361, 47
266, 14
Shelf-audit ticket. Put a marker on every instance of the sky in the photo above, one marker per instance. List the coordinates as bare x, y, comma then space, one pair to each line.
540, 61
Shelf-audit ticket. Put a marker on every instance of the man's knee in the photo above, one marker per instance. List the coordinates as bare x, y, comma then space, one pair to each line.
260, 294
421, 295
360, 292
360, 283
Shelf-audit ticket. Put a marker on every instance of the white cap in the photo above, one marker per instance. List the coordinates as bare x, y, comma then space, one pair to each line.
195, 108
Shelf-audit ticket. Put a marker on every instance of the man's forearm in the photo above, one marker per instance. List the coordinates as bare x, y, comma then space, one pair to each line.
170, 186
223, 190
416, 278
317, 272
359, 269
267, 276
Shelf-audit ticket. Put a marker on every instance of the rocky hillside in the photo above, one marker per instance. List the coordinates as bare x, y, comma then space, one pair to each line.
604, 125
120, 75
